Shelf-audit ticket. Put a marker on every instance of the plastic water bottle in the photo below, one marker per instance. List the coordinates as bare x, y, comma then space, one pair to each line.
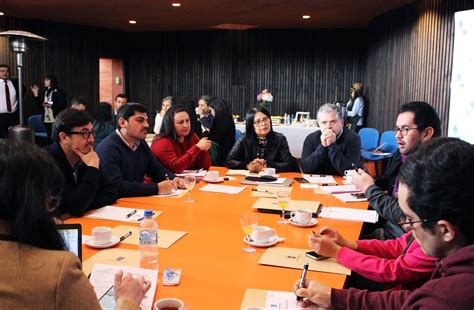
148, 242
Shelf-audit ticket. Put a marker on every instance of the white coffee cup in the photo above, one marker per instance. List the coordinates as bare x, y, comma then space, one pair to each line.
262, 234
212, 175
269, 171
302, 216
349, 172
101, 235
169, 303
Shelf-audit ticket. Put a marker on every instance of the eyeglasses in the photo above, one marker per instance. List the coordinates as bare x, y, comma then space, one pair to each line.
409, 223
85, 134
403, 130
261, 121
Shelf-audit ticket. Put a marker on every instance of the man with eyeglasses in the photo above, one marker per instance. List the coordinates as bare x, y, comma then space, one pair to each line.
436, 199
85, 187
332, 149
417, 123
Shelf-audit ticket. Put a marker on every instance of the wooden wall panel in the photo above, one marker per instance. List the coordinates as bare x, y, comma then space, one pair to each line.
71, 53
303, 68
410, 58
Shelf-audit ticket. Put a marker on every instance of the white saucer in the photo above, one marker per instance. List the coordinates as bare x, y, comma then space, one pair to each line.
313, 222
273, 240
219, 180
347, 182
112, 242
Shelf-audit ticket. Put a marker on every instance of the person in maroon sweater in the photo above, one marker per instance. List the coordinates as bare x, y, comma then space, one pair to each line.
436, 198
177, 146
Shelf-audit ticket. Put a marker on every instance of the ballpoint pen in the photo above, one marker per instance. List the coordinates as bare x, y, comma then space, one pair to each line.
261, 191
302, 279
131, 213
125, 236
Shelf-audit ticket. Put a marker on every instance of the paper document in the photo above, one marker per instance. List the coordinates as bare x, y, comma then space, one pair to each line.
226, 189
309, 185
348, 197
369, 216
320, 178
340, 189
120, 214
272, 204
269, 191
281, 300
237, 172
201, 173
166, 238
102, 278
174, 193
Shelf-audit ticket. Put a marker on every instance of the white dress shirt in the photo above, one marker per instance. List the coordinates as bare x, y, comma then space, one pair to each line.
3, 100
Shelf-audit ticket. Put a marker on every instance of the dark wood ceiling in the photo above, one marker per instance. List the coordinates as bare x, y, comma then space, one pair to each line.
159, 15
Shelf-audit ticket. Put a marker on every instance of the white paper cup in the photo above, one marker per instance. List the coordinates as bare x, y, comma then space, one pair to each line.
101, 235
169, 303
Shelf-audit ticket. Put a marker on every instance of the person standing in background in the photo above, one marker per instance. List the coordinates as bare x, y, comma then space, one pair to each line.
52, 99
166, 103
8, 101
356, 108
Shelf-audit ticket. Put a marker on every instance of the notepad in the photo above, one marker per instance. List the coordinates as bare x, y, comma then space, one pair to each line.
347, 197
225, 189
114, 213
237, 172
201, 173
102, 278
340, 189
369, 216
174, 193
320, 179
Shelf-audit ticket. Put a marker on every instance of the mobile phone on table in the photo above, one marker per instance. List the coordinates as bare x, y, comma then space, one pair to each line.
315, 256
107, 301
358, 195
301, 180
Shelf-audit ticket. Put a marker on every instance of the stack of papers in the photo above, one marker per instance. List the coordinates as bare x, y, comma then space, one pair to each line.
225, 189
340, 189
282, 182
349, 197
320, 179
102, 279
119, 214
369, 216
199, 174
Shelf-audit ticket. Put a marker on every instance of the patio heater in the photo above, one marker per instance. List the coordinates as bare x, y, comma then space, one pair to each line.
19, 45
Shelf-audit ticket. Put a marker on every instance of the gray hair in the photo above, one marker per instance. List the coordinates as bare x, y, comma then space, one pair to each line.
329, 108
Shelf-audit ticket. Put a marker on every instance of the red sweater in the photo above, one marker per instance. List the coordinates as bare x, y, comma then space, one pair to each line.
178, 156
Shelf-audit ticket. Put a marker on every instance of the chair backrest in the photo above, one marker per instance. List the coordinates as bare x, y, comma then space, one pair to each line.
36, 122
238, 133
390, 142
369, 138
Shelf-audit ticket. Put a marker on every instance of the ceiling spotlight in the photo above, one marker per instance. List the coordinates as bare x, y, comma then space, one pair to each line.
132, 21
306, 16
1, 13
176, 4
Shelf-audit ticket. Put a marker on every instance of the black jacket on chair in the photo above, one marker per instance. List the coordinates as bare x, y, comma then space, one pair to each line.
277, 153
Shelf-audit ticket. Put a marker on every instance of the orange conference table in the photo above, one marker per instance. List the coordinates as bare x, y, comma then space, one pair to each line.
215, 270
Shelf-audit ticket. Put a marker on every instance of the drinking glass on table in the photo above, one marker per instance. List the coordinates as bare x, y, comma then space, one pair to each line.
189, 183
283, 202
248, 221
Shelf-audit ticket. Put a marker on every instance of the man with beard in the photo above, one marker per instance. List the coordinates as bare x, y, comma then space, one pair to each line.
126, 157
417, 123
85, 185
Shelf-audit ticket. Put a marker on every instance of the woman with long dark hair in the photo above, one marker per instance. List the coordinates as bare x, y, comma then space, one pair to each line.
223, 128
37, 272
102, 122
51, 99
177, 147
260, 147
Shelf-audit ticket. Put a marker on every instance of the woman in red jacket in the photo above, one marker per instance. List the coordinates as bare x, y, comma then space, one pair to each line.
177, 147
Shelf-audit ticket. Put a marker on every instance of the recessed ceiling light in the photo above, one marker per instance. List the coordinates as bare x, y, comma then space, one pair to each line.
132, 21
176, 4
306, 16
1, 13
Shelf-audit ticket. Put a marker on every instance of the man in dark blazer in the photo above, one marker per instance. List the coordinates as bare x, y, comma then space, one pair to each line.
8, 101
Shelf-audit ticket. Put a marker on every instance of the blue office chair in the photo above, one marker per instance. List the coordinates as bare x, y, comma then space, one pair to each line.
238, 134
36, 122
387, 144
369, 138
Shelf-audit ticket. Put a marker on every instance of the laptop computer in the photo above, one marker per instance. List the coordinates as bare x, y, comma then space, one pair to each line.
72, 236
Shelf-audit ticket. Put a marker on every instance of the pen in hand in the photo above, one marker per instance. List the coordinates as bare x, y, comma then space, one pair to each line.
131, 213
302, 280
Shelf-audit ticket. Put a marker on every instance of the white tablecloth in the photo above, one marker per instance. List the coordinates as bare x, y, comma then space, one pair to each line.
294, 134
